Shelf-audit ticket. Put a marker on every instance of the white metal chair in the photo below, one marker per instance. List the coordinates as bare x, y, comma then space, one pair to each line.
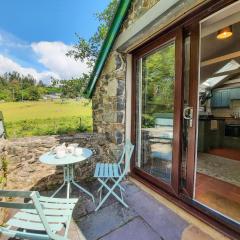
114, 172
41, 218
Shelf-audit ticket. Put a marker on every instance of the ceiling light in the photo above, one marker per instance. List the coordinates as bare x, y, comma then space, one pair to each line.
225, 33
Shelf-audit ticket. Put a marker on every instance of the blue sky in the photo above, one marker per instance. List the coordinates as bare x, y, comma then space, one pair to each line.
35, 34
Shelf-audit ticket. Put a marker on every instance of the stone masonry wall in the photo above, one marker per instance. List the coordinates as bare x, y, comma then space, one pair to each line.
109, 97
138, 8
26, 172
109, 100
3, 181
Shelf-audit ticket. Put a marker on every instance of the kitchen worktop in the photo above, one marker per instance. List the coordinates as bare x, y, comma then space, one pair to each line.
228, 119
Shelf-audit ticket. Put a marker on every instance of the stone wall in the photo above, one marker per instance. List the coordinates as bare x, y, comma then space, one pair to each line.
26, 172
109, 100
3, 182
109, 97
138, 8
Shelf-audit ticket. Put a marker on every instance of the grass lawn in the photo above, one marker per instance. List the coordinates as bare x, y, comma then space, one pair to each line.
46, 117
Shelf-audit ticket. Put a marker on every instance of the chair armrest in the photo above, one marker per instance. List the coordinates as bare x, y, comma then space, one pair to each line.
21, 194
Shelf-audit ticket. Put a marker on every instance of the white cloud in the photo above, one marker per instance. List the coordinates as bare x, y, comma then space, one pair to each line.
53, 56
8, 65
8, 40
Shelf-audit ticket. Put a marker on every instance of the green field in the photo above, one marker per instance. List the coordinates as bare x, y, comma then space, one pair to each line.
46, 117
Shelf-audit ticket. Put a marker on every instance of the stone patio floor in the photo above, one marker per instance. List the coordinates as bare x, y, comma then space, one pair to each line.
145, 219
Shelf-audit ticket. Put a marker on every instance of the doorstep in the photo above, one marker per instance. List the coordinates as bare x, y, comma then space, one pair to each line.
196, 230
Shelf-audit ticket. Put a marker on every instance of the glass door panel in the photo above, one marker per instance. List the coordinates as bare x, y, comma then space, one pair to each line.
217, 177
155, 112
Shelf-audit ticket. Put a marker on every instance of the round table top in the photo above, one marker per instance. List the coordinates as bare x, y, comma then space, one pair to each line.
50, 158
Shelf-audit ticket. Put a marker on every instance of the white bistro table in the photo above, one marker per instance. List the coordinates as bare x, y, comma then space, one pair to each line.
67, 162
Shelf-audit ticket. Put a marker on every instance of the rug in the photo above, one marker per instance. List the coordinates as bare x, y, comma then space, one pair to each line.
224, 169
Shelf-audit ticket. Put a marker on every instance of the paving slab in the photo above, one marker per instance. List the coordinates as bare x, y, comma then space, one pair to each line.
137, 229
98, 224
164, 221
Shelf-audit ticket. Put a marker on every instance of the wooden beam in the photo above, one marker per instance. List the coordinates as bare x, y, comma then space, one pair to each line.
231, 72
220, 59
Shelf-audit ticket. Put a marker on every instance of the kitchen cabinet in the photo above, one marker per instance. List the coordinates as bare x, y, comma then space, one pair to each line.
235, 93
222, 97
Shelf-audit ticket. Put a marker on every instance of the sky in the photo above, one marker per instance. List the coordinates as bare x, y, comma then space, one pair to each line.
36, 34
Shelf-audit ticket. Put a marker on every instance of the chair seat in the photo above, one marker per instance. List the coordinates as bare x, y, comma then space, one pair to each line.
56, 210
107, 170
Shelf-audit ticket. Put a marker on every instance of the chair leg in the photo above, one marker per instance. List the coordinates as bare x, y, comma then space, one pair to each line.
122, 188
110, 191
100, 188
58, 190
68, 189
84, 190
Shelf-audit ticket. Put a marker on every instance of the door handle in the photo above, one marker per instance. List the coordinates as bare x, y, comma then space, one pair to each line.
188, 115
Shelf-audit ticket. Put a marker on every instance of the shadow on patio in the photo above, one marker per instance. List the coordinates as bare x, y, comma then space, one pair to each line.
146, 218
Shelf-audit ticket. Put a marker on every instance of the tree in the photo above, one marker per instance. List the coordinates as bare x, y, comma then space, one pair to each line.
16, 87
88, 50
70, 88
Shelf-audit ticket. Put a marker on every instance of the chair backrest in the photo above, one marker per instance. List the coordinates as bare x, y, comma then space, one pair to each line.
126, 155
34, 204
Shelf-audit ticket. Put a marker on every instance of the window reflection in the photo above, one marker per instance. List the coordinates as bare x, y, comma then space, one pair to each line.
155, 112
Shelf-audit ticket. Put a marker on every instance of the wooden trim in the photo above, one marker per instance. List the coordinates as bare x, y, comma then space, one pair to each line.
154, 44
199, 13
220, 59
178, 98
230, 72
178, 109
134, 112
193, 102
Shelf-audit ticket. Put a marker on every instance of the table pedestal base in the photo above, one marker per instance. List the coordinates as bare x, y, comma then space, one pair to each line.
69, 179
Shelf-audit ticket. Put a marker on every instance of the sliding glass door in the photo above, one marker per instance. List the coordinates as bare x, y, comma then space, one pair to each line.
217, 173
157, 110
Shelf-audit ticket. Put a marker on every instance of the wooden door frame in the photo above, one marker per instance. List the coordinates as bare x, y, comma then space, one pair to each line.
190, 24
176, 35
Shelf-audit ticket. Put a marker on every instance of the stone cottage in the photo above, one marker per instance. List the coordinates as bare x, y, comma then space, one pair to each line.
167, 77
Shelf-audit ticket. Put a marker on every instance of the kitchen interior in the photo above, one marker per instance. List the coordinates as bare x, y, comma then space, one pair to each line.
217, 184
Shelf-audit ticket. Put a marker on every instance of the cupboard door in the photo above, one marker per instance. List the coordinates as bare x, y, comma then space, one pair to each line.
225, 98
235, 93
216, 99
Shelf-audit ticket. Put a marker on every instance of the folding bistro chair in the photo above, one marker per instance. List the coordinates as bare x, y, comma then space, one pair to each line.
41, 218
115, 172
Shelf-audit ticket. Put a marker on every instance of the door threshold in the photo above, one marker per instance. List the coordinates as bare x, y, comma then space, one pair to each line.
193, 216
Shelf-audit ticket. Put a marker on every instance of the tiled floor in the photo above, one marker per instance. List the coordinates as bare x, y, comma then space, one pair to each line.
145, 219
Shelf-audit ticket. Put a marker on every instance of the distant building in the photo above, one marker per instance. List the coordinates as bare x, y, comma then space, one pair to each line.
52, 96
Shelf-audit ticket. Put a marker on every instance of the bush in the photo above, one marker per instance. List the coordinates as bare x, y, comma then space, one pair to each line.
148, 121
